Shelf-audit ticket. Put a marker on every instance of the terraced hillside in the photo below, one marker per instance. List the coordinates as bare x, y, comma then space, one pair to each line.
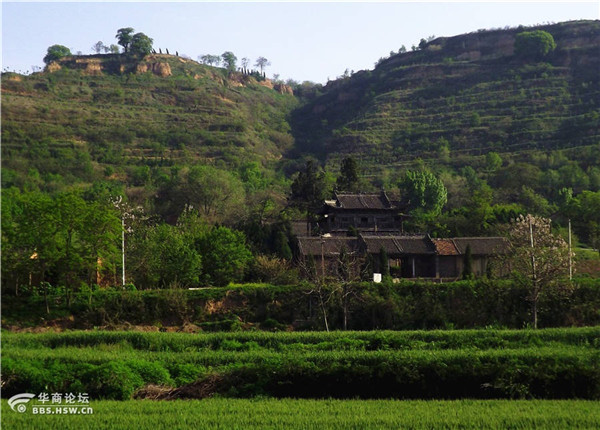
86, 114
464, 95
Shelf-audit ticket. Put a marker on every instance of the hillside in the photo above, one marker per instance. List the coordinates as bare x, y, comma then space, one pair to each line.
460, 96
92, 117
138, 125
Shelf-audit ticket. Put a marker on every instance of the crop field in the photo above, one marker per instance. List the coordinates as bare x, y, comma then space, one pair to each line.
540, 364
319, 414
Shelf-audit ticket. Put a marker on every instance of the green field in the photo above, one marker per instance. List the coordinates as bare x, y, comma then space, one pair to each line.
541, 364
319, 414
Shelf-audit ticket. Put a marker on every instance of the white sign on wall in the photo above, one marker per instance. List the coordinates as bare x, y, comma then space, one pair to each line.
377, 277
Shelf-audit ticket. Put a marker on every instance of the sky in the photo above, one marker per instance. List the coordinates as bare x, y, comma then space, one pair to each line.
304, 41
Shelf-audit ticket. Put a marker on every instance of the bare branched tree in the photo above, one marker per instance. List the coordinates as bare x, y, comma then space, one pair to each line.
537, 257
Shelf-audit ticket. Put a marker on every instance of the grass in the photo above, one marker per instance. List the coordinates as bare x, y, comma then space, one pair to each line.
550, 363
269, 413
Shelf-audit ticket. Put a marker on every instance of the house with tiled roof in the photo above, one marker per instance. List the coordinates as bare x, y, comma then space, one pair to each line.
450, 254
374, 212
376, 224
409, 256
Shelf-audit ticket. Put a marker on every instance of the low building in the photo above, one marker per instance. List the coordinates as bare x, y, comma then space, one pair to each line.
408, 256
373, 212
320, 255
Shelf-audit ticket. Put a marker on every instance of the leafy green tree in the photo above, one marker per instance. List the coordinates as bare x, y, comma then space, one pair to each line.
101, 233
308, 191
493, 161
225, 256
210, 60
425, 192
534, 44
217, 194
55, 53
161, 256
229, 61
61, 238
125, 37
253, 176
348, 178
475, 120
140, 44
584, 211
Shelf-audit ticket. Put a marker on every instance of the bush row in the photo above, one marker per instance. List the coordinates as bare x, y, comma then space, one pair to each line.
585, 337
526, 373
403, 306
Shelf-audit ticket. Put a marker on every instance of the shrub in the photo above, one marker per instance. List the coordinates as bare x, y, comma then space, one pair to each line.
534, 44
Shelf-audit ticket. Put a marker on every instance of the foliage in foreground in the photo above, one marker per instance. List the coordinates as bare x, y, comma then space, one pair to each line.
554, 363
321, 414
403, 306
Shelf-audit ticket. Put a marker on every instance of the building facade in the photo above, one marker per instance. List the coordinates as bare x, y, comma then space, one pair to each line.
363, 226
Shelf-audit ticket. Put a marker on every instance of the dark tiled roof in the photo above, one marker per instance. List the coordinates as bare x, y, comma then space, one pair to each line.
363, 201
445, 247
375, 243
481, 245
399, 244
299, 228
332, 246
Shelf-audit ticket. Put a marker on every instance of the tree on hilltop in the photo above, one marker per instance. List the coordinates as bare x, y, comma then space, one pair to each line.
141, 44
262, 63
55, 53
98, 47
125, 37
229, 60
245, 63
210, 60
534, 44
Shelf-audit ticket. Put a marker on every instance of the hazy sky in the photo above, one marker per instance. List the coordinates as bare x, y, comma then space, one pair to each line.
303, 40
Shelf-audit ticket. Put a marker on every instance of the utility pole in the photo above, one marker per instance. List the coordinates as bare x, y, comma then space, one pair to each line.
322, 259
117, 202
123, 246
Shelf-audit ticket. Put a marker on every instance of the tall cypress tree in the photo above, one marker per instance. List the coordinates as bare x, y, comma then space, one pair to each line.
308, 191
384, 263
348, 179
468, 264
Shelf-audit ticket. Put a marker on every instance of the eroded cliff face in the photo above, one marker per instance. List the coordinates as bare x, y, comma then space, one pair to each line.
98, 64
162, 65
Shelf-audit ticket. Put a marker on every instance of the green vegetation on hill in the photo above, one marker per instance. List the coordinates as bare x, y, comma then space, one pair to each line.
87, 122
496, 133
462, 96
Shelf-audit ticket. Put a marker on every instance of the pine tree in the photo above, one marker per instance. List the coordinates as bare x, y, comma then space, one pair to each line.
348, 179
384, 263
468, 264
